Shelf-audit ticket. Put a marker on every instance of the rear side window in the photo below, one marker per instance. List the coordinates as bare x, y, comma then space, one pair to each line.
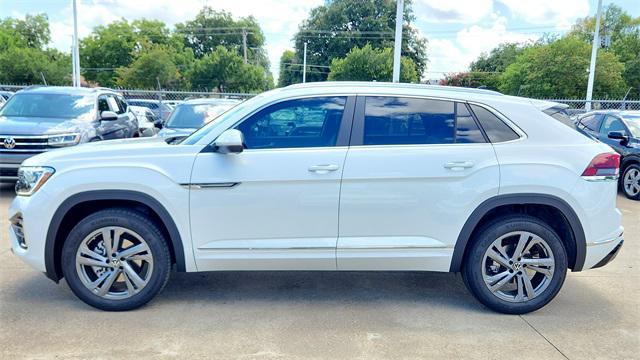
404, 121
467, 130
496, 130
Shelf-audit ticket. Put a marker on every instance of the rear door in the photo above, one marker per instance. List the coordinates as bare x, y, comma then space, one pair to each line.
414, 172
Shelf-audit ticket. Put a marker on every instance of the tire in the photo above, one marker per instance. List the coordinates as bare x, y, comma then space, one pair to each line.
542, 246
630, 182
140, 251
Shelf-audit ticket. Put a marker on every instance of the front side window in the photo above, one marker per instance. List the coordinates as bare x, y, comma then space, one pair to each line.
403, 121
612, 123
496, 130
312, 122
633, 122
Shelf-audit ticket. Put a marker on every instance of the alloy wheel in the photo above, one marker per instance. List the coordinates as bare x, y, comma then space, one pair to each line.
114, 262
631, 182
518, 266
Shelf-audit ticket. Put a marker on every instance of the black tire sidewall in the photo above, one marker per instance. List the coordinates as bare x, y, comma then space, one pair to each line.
472, 270
130, 220
624, 191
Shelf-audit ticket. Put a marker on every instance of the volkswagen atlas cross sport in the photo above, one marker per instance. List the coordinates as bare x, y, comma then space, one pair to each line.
330, 176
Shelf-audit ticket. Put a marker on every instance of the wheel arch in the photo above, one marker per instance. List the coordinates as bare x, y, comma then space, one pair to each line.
97, 200
510, 201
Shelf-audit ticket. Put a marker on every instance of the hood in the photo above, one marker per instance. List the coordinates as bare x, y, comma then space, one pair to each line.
109, 151
15, 125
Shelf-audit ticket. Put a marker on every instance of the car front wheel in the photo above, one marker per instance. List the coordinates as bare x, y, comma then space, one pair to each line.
515, 265
116, 259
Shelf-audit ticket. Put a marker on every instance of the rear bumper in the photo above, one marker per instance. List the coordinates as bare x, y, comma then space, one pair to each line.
612, 255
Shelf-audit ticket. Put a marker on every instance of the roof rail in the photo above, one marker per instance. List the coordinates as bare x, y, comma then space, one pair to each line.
388, 84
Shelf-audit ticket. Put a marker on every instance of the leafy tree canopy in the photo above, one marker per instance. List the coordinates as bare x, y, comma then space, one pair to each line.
332, 30
369, 64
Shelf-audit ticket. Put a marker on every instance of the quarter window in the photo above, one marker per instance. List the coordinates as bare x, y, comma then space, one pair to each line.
313, 122
496, 130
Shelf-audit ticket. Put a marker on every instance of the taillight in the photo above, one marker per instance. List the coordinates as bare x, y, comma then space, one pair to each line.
603, 165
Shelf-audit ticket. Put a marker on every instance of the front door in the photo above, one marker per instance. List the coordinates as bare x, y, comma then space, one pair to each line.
415, 171
275, 205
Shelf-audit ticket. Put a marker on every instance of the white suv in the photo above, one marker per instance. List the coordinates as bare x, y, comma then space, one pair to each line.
330, 176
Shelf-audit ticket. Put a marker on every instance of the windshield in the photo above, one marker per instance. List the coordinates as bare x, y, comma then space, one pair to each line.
58, 106
633, 123
195, 116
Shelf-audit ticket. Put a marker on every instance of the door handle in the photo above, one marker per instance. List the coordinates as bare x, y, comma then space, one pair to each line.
323, 169
458, 165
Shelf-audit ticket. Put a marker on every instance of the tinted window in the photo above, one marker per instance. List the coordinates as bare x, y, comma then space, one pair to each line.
392, 120
49, 105
467, 130
591, 122
103, 105
633, 122
313, 122
612, 124
496, 129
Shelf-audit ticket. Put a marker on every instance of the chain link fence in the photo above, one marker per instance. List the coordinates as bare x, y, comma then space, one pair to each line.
576, 106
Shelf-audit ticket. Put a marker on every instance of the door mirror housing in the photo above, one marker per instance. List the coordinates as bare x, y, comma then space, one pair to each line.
618, 135
158, 123
108, 116
229, 142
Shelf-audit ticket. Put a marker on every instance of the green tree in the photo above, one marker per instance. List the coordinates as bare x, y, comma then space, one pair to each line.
473, 79
332, 30
106, 49
26, 65
623, 30
157, 64
498, 59
290, 71
225, 71
560, 70
212, 28
369, 64
31, 32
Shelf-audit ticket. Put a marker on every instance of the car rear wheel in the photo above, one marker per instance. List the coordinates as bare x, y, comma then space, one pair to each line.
515, 265
116, 259
631, 182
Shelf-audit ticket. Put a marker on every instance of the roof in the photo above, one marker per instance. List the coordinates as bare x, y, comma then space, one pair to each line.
615, 112
39, 89
211, 101
388, 85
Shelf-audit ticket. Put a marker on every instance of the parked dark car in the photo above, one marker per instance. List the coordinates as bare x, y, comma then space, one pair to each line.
43, 118
620, 130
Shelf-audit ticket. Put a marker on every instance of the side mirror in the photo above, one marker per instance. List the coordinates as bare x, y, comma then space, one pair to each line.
158, 123
618, 135
229, 142
108, 116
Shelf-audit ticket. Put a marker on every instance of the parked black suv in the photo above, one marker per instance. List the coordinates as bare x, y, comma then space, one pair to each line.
620, 130
42, 118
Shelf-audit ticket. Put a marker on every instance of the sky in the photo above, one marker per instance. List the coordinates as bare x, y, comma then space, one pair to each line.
457, 30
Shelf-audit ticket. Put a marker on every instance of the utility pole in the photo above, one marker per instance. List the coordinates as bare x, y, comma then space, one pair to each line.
397, 46
76, 52
594, 53
304, 64
244, 43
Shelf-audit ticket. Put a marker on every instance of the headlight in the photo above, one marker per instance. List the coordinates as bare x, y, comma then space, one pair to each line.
31, 178
64, 139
